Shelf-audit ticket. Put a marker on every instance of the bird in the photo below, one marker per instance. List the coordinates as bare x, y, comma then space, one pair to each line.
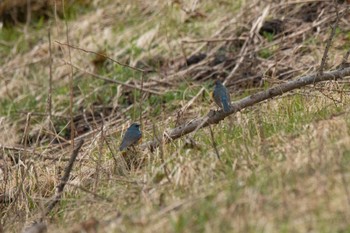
131, 137
221, 96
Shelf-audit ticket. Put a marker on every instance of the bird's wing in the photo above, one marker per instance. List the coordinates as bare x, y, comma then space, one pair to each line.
227, 93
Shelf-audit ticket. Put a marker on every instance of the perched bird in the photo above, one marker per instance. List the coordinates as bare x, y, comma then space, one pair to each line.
221, 96
131, 137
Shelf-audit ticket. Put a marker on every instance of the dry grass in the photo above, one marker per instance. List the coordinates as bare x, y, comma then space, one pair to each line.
284, 163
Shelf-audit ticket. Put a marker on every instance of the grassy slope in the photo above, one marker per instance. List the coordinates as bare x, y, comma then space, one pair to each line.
284, 163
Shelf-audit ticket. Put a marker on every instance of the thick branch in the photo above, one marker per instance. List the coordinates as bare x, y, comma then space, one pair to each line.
215, 117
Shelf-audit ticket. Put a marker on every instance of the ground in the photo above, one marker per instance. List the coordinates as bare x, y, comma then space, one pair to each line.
281, 165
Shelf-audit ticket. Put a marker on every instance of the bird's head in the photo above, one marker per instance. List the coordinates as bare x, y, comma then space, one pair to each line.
218, 82
135, 125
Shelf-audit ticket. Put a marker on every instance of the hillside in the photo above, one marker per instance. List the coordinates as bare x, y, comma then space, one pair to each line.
86, 70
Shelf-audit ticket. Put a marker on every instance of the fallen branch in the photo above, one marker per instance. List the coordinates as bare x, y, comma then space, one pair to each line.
39, 225
214, 117
64, 179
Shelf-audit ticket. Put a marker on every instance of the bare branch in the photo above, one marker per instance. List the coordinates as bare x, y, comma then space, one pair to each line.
64, 179
330, 38
112, 80
100, 54
214, 117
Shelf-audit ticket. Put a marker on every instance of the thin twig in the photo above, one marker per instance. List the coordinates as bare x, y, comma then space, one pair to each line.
100, 54
330, 38
161, 151
112, 80
32, 152
141, 100
293, 35
71, 93
29, 16
49, 97
90, 192
25, 133
335, 101
184, 54
213, 40
99, 159
214, 143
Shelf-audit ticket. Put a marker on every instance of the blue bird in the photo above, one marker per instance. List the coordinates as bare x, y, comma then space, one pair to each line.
221, 96
131, 137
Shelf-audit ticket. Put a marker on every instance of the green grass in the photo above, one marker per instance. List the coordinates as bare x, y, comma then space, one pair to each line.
12, 107
74, 10
13, 38
268, 36
283, 163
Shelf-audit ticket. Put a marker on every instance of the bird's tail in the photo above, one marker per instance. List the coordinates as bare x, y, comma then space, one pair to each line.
122, 147
226, 105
